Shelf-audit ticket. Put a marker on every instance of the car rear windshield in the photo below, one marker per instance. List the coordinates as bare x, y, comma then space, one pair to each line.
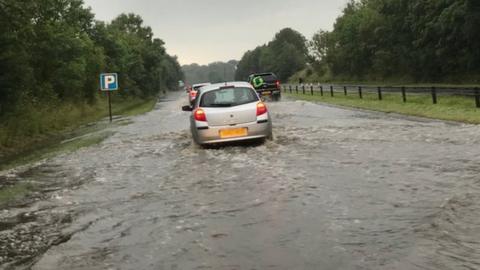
228, 97
267, 77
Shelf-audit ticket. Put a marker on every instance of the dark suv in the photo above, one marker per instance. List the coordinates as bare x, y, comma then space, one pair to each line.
266, 84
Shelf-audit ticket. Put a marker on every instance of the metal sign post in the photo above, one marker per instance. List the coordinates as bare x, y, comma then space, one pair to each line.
109, 106
109, 83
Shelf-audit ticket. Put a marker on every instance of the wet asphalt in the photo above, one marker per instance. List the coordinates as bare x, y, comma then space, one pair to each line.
335, 189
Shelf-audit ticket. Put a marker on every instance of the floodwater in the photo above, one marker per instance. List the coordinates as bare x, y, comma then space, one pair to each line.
335, 189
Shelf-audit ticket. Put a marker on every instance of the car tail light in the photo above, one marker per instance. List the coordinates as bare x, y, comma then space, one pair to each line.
277, 83
261, 108
199, 115
193, 94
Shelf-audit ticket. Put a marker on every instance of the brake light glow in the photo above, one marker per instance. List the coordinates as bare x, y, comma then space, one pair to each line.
199, 115
261, 108
277, 83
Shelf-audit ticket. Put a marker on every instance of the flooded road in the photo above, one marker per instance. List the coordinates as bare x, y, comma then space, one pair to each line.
335, 189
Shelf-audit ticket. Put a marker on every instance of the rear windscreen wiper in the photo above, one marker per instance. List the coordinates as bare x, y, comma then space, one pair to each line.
221, 105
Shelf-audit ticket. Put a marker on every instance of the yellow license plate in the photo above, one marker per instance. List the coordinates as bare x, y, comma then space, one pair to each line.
234, 132
267, 93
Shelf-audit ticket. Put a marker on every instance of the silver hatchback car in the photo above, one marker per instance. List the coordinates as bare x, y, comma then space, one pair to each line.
227, 112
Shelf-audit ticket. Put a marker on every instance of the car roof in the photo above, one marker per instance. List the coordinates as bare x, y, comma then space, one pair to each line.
217, 86
200, 84
263, 74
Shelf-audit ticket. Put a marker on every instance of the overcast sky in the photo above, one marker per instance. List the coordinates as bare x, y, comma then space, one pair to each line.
204, 31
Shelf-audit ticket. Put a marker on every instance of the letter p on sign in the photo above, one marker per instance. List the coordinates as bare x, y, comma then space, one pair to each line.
109, 82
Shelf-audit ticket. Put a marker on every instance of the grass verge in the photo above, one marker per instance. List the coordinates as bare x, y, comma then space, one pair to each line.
450, 108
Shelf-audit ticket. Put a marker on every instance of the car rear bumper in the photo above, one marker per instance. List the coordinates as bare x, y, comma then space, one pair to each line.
269, 92
212, 134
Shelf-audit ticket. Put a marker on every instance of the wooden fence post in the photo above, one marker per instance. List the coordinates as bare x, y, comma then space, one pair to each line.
477, 97
434, 95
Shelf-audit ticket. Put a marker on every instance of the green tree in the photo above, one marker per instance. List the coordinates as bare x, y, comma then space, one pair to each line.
213, 72
144, 67
52, 51
426, 40
318, 51
284, 55
16, 73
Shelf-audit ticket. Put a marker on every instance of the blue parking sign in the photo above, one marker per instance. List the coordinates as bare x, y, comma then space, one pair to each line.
109, 81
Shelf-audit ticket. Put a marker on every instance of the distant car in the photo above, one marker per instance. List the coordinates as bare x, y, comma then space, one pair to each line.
192, 92
228, 112
181, 84
266, 84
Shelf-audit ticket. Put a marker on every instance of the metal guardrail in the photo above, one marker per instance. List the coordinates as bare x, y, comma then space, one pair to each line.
360, 90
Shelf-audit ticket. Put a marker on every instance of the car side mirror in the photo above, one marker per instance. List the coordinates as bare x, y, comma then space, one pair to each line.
187, 108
